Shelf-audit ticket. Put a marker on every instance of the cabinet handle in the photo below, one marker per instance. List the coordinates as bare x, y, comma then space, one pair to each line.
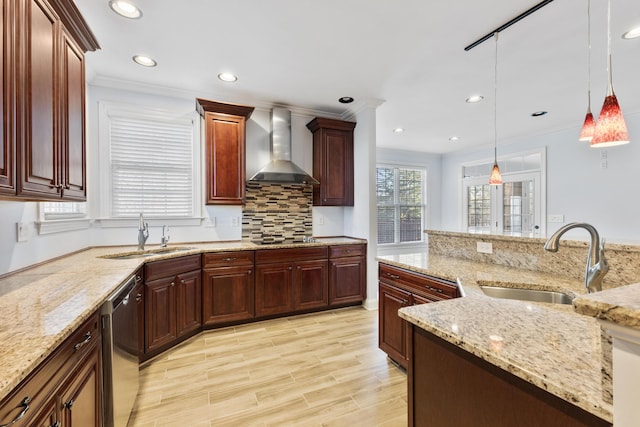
290, 268
138, 297
249, 272
229, 259
393, 276
182, 281
69, 404
25, 407
87, 338
404, 301
138, 278
57, 424
172, 284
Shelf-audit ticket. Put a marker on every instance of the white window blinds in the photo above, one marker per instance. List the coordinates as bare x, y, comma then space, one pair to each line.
151, 166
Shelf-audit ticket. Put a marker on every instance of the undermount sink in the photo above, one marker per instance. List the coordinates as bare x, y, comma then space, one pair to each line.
534, 295
147, 253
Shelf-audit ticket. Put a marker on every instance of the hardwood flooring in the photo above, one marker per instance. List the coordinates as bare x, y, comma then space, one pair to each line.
320, 369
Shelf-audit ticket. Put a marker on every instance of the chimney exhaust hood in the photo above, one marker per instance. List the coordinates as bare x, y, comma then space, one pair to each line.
281, 169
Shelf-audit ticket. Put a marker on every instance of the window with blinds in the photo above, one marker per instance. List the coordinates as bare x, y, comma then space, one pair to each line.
401, 195
151, 165
63, 210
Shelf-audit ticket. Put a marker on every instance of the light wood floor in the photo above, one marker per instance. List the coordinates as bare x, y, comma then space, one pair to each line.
321, 369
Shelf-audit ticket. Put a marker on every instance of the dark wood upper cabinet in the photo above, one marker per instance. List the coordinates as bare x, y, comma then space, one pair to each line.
43, 100
332, 161
224, 151
7, 93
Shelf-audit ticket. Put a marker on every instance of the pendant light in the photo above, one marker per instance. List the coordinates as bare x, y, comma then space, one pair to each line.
611, 128
495, 178
589, 124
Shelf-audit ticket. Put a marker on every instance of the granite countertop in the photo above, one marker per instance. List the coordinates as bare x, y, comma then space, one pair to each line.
617, 305
41, 306
548, 345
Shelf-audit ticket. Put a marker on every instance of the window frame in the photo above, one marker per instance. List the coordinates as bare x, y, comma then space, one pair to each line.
497, 194
397, 206
49, 223
106, 109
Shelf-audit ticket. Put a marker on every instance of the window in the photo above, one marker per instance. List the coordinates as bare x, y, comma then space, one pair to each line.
149, 163
513, 208
401, 204
62, 210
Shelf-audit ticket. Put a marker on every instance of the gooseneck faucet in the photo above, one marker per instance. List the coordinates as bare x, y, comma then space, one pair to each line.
143, 233
597, 265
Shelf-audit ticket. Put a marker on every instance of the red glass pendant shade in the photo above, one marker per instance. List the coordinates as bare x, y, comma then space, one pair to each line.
611, 129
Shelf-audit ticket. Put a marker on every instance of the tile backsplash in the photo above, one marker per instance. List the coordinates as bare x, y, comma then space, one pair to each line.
277, 213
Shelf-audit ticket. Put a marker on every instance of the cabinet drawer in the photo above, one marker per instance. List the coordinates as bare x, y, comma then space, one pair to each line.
227, 259
266, 256
170, 267
418, 283
346, 251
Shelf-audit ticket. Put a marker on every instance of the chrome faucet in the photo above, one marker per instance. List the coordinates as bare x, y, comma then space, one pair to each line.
143, 233
597, 265
165, 236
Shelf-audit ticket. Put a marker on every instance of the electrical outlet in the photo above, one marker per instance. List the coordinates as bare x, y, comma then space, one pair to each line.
555, 218
320, 219
210, 222
484, 247
235, 221
22, 229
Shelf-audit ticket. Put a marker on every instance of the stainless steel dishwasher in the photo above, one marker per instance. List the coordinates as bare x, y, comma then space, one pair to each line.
120, 354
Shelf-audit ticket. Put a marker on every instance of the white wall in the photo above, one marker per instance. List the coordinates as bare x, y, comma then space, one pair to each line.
577, 186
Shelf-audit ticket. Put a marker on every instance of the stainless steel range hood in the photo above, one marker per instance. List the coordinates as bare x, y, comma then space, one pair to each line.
281, 169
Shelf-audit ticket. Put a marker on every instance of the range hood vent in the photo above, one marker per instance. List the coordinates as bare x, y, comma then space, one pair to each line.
281, 169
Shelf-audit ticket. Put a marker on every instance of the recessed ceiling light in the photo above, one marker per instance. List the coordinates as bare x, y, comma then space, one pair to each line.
126, 9
538, 113
633, 33
345, 100
398, 130
145, 61
228, 77
454, 138
474, 98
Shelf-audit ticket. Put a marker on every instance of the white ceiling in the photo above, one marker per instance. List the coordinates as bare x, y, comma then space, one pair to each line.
407, 53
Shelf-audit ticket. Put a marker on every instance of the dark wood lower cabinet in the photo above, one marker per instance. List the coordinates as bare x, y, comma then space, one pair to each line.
393, 330
274, 289
399, 288
65, 389
227, 294
173, 302
450, 387
81, 400
310, 288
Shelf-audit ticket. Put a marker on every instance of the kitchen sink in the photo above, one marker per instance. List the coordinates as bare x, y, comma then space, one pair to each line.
147, 253
534, 295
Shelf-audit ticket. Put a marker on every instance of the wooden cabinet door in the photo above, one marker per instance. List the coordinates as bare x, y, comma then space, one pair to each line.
227, 294
140, 308
225, 159
72, 143
7, 93
310, 284
160, 313
274, 289
347, 282
81, 398
332, 161
39, 110
188, 302
392, 329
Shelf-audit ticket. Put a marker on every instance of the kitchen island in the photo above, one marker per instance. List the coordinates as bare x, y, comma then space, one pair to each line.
548, 346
